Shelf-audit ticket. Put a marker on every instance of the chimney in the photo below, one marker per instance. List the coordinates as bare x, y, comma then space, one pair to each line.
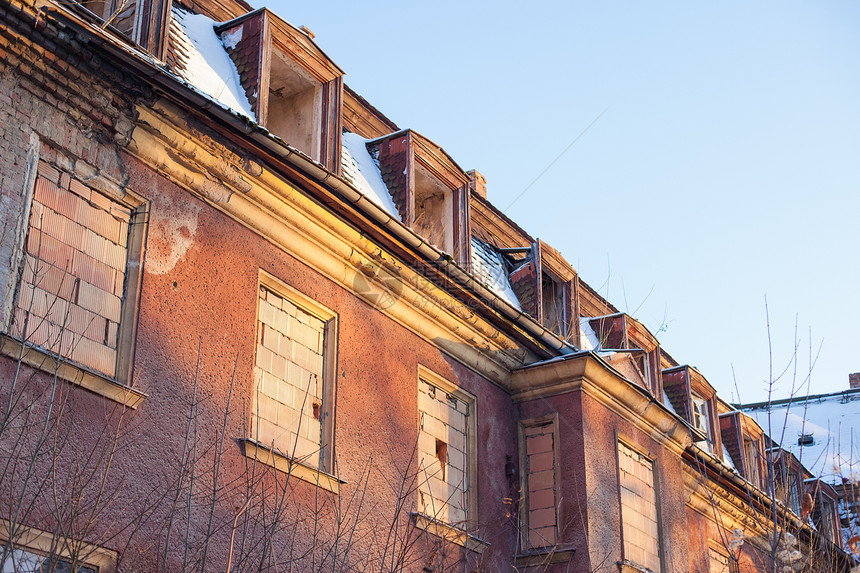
477, 183
854, 380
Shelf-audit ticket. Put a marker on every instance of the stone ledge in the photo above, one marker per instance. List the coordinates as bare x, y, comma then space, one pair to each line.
70, 372
449, 533
266, 455
544, 556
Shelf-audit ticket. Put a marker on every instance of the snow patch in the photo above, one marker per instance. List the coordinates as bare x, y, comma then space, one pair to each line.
207, 66
588, 338
362, 170
832, 421
232, 39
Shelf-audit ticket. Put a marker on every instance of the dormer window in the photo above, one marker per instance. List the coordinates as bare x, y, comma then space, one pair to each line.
429, 189
294, 89
434, 210
700, 415
546, 288
623, 332
693, 398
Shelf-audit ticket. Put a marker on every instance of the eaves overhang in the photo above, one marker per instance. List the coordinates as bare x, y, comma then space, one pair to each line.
719, 493
251, 135
588, 372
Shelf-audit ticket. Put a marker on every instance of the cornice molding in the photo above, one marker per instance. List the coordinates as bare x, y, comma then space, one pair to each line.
262, 201
587, 372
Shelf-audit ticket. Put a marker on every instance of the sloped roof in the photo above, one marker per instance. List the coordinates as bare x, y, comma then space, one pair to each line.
197, 56
488, 268
833, 421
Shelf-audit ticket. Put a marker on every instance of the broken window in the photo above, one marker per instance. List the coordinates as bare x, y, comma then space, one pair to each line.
700, 416
123, 16
444, 457
751, 462
291, 411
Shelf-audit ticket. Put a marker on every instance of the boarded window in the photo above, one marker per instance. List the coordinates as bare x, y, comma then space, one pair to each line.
639, 520
443, 482
718, 562
77, 289
290, 412
540, 487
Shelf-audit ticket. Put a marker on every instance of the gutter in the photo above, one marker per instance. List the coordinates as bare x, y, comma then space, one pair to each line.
159, 77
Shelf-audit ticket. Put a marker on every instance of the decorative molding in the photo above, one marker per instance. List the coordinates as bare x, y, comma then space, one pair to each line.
270, 206
587, 372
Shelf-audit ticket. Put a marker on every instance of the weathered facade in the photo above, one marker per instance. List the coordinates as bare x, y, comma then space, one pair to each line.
251, 324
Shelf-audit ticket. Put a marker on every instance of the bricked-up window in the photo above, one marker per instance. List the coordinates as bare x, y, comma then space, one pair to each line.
719, 562
445, 434
538, 445
80, 275
639, 520
291, 410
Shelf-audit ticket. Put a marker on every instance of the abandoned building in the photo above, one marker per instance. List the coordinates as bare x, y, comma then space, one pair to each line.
249, 323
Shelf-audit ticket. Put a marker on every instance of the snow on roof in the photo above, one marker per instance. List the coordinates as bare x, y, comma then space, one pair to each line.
727, 458
489, 269
205, 64
587, 337
831, 419
362, 170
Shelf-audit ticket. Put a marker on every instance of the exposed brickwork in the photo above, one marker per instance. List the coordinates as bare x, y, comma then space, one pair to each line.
58, 102
638, 508
541, 489
392, 155
854, 380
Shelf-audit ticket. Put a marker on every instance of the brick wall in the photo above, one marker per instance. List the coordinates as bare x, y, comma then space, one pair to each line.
638, 508
541, 487
59, 103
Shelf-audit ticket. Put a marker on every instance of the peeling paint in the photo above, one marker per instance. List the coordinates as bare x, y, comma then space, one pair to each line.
172, 229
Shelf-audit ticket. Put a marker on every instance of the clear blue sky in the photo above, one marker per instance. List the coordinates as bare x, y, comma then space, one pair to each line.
725, 168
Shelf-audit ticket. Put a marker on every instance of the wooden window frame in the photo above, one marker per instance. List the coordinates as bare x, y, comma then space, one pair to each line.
45, 544
119, 386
